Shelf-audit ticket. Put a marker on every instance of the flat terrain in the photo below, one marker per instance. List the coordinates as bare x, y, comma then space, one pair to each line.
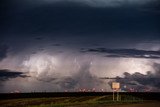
150, 104
74, 103
77, 100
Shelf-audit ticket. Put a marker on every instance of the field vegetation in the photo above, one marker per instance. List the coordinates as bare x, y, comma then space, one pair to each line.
80, 101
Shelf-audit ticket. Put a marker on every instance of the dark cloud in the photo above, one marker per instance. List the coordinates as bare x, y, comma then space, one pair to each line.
39, 38
72, 18
56, 44
94, 3
3, 51
78, 24
125, 53
141, 82
6, 74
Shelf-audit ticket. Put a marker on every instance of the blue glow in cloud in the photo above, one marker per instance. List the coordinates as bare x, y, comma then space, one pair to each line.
108, 2
99, 3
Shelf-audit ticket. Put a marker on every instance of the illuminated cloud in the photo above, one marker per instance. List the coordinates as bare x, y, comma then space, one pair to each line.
40, 65
83, 79
141, 82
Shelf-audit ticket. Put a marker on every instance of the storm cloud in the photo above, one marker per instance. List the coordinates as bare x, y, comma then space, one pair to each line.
83, 79
3, 51
56, 43
141, 82
74, 19
6, 74
125, 53
97, 3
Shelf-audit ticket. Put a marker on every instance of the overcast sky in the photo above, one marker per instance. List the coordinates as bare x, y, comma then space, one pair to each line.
57, 45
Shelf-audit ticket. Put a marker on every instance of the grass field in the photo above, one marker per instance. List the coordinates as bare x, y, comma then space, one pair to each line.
80, 101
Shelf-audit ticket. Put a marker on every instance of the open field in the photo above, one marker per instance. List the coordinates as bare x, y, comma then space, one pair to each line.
77, 100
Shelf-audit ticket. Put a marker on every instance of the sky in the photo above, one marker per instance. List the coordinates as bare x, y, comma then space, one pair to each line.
72, 45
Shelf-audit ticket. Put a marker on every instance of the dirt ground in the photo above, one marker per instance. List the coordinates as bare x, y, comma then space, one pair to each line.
155, 104
150, 104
